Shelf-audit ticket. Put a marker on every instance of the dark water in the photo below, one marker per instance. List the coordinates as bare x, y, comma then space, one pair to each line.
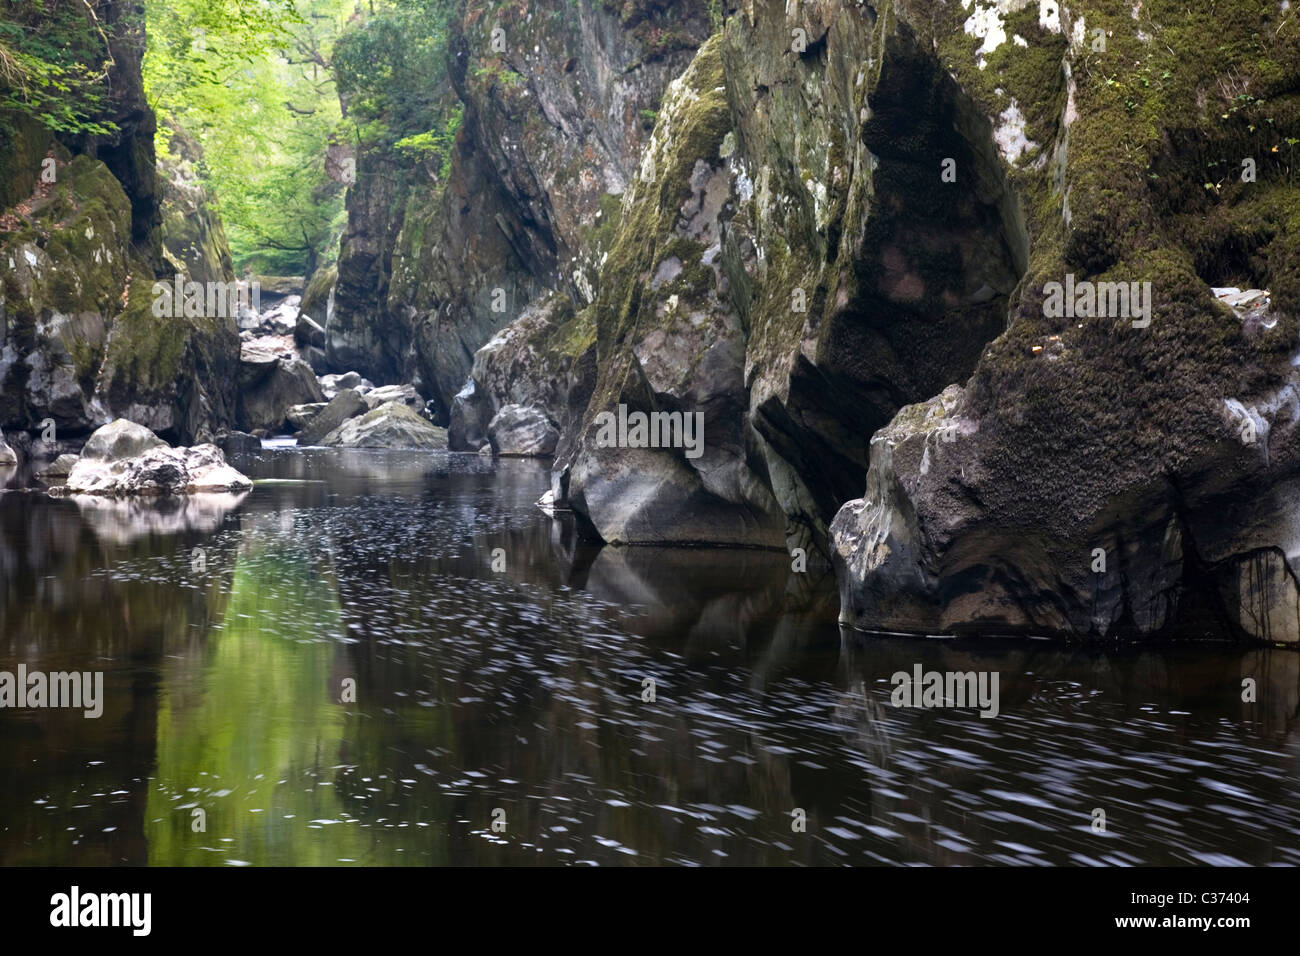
519, 691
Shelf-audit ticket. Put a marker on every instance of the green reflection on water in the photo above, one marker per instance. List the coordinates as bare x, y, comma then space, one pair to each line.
257, 719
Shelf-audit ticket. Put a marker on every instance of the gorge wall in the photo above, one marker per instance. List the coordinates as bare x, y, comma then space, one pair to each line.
82, 240
836, 244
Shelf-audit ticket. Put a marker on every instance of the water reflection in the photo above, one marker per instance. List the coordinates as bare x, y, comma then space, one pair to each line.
501, 664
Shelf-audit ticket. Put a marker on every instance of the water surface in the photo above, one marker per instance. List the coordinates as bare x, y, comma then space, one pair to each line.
499, 671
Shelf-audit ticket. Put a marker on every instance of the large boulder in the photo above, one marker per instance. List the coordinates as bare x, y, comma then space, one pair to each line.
346, 405
289, 382
307, 332
118, 440
389, 426
157, 471
299, 417
60, 467
523, 431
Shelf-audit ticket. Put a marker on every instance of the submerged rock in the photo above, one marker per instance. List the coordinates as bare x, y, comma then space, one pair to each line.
392, 425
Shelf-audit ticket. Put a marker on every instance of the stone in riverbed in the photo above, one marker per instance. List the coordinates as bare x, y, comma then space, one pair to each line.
346, 405
61, 467
236, 443
290, 383
154, 469
118, 440
7, 455
392, 425
299, 417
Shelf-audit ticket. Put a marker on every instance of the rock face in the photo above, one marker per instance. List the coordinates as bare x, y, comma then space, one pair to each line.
123, 458
193, 236
1118, 467
523, 431
429, 269
81, 339
673, 346
545, 360
389, 426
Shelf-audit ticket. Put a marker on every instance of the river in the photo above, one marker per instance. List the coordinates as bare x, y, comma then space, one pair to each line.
396, 658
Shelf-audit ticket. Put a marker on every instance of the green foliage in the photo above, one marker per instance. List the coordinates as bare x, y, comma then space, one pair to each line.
434, 145
251, 80
54, 64
391, 69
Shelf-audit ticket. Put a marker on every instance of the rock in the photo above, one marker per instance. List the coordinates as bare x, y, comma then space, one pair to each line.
346, 405
7, 455
277, 289
537, 360
300, 416
676, 350
420, 272
547, 503
258, 358
157, 471
392, 425
61, 467
194, 238
118, 440
331, 385
318, 297
522, 431
307, 332
282, 318
289, 383
239, 443
78, 284
406, 394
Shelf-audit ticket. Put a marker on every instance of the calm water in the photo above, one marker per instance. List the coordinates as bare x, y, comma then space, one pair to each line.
519, 691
